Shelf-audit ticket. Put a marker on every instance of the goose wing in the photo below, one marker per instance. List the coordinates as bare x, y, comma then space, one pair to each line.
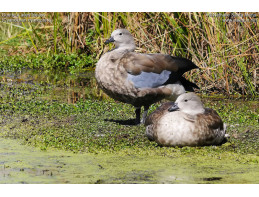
154, 70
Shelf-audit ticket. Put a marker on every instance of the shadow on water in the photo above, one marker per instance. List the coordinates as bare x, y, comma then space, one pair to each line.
212, 179
130, 122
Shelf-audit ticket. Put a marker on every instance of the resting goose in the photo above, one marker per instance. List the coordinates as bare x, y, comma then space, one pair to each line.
185, 123
140, 79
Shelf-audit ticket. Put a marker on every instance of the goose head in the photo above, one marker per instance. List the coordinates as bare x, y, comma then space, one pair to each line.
122, 39
188, 103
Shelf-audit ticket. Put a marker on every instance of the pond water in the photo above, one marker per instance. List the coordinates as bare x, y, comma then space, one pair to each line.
59, 85
26, 164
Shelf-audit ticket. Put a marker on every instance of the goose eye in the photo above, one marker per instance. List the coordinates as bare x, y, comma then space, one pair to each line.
120, 34
185, 100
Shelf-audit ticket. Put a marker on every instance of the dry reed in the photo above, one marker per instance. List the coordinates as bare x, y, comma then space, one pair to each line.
223, 45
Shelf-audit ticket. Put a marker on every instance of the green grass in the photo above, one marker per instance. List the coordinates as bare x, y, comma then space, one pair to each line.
33, 114
49, 98
70, 63
39, 110
225, 51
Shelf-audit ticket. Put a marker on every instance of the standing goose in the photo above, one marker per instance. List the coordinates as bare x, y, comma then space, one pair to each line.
185, 123
140, 79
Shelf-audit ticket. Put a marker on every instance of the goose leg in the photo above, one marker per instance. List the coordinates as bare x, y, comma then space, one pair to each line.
144, 114
137, 111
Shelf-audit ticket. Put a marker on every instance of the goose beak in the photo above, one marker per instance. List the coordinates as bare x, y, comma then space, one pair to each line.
111, 39
174, 107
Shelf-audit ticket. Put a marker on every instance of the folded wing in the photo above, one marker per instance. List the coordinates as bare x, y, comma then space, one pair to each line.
154, 70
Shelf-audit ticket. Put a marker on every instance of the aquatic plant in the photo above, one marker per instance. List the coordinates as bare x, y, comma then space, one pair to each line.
45, 115
223, 45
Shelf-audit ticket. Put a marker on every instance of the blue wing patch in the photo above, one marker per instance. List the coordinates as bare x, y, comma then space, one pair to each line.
149, 79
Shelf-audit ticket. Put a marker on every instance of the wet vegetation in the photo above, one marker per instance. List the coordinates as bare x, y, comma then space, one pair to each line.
68, 115
71, 116
49, 97
223, 45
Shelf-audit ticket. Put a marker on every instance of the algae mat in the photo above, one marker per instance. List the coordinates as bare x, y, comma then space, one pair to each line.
25, 164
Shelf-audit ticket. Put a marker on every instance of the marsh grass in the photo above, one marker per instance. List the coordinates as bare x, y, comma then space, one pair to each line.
34, 114
225, 49
49, 97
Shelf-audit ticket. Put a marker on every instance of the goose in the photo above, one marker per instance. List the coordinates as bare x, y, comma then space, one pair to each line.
140, 79
185, 123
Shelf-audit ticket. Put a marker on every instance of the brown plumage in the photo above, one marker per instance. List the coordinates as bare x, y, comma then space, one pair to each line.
185, 123
140, 79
